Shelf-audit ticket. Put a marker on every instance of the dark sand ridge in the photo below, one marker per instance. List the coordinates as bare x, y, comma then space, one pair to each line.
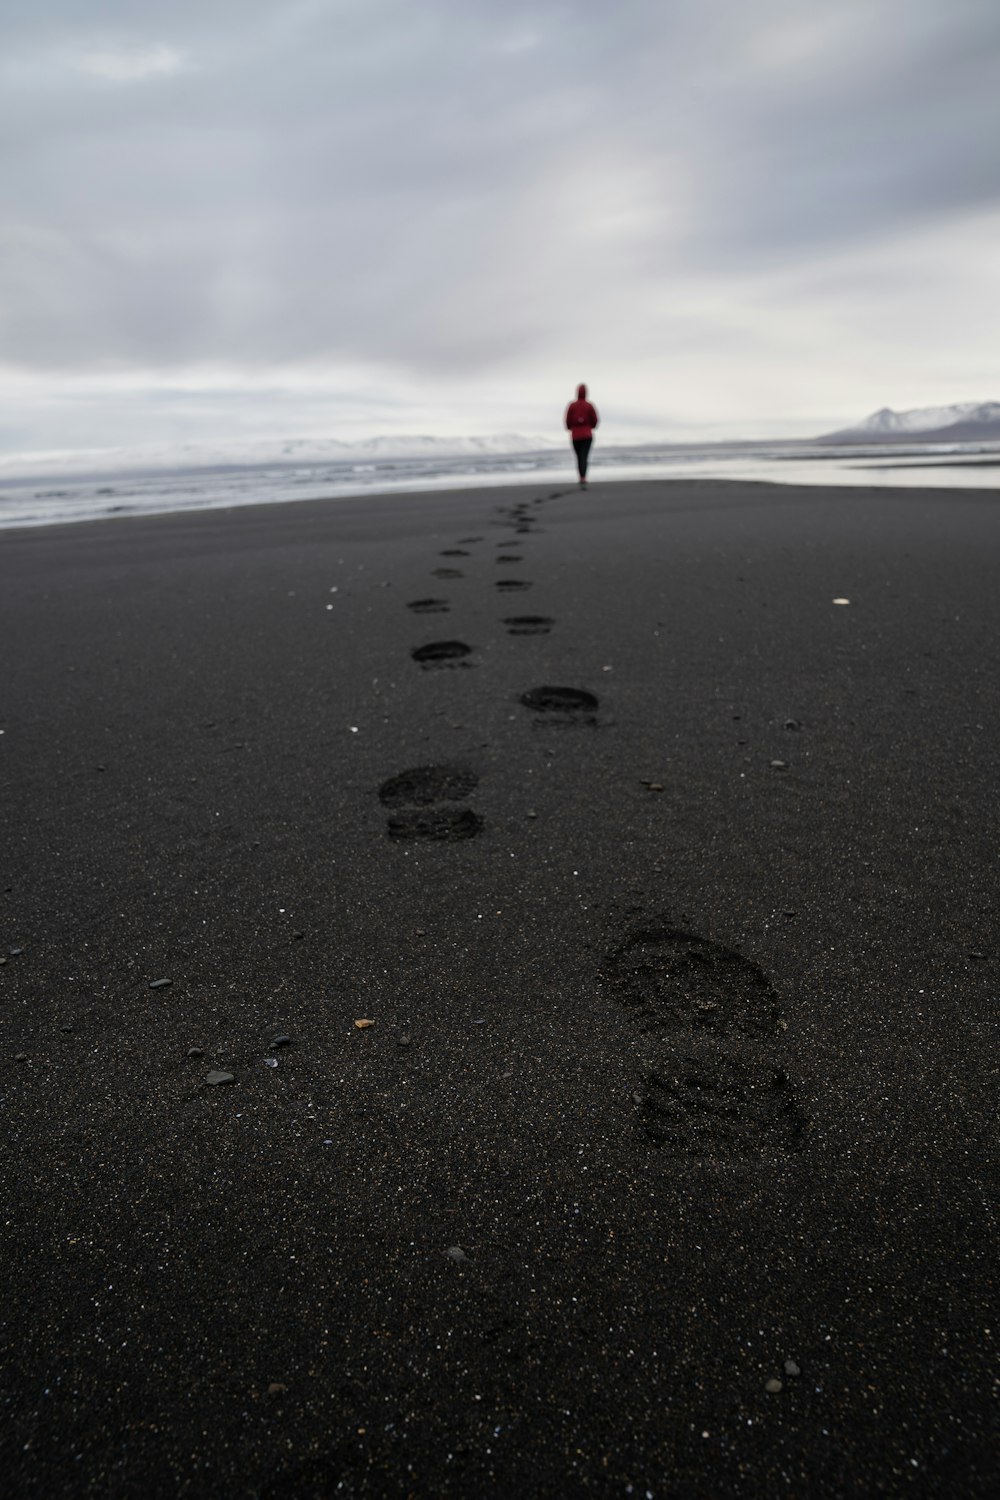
691, 1056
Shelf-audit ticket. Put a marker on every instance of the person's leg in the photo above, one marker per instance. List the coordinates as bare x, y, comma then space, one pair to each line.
582, 446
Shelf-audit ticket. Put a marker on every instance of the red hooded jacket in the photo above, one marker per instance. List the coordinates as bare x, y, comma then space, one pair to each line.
581, 417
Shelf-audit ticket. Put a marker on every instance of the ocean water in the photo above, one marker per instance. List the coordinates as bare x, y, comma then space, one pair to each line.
39, 498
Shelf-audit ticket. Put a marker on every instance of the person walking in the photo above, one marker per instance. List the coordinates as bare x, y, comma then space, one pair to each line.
581, 419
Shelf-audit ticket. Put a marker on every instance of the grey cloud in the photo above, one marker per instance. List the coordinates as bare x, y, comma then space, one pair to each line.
392, 182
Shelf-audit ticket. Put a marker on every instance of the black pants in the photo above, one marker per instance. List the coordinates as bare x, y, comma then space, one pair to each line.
582, 448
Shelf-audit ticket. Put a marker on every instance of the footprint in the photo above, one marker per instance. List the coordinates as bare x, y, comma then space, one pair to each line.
426, 784
506, 557
448, 573
713, 1100
413, 796
436, 651
453, 552
466, 541
444, 825
429, 606
511, 585
714, 1086
678, 980
561, 700
529, 624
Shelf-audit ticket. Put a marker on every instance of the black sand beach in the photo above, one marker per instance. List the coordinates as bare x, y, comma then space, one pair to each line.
681, 1077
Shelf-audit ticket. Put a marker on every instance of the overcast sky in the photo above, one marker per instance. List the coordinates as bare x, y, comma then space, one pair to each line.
225, 218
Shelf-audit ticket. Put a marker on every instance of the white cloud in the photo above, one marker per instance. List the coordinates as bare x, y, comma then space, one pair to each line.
131, 65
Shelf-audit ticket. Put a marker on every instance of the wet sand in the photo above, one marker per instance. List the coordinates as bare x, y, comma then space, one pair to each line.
682, 1072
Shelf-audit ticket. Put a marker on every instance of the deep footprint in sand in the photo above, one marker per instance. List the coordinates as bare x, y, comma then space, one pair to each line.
507, 557
529, 624
512, 585
440, 651
453, 552
429, 606
714, 1085
413, 796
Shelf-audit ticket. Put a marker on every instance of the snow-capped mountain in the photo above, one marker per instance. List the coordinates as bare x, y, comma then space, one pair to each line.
264, 453
964, 422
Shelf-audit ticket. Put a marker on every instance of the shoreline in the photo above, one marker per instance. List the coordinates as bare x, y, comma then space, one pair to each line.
497, 488
788, 469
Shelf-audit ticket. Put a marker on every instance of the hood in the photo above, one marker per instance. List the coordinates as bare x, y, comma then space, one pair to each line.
581, 393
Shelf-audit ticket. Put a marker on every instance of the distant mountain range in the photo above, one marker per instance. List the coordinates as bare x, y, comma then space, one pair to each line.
966, 422
268, 453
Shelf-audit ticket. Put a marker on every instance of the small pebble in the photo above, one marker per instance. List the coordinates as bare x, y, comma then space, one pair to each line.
14, 951
276, 1388
531, 815
773, 1387
270, 1062
196, 1052
20, 1057
214, 1078
456, 1253
404, 1039
282, 1041
791, 1368
159, 984
66, 1028
363, 1025
779, 765
655, 786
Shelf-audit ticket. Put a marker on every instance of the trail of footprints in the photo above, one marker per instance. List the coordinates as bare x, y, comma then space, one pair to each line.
714, 1084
